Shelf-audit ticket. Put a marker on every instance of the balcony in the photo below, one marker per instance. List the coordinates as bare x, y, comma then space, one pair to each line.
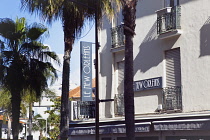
83, 110
119, 104
168, 22
118, 39
172, 99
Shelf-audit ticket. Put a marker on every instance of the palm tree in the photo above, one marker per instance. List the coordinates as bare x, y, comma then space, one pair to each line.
73, 16
54, 119
129, 13
25, 62
28, 99
5, 105
39, 125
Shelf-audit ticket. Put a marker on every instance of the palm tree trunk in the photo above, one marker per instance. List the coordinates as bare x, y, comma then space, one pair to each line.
69, 40
1, 122
9, 128
129, 12
16, 99
40, 135
64, 123
30, 119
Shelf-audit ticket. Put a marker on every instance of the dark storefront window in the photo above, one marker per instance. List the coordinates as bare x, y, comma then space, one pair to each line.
189, 138
139, 138
106, 138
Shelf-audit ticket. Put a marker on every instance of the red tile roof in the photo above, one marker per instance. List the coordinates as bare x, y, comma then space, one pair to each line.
75, 93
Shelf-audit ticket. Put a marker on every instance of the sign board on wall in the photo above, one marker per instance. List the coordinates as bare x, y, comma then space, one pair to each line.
86, 71
147, 84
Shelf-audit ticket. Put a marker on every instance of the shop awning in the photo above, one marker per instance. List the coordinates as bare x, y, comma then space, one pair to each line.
107, 129
188, 124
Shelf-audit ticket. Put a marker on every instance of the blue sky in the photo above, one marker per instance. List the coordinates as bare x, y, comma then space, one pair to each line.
11, 9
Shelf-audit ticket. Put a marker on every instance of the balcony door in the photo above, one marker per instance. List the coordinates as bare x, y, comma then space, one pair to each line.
171, 3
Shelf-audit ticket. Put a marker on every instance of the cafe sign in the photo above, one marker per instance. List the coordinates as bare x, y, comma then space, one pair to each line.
153, 83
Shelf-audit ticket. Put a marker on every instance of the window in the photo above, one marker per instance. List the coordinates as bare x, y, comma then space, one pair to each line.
173, 67
172, 98
119, 97
168, 19
171, 3
139, 138
48, 108
187, 138
106, 138
120, 68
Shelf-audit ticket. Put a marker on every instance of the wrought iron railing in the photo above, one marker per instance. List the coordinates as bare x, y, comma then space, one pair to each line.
118, 38
168, 21
119, 104
172, 98
83, 110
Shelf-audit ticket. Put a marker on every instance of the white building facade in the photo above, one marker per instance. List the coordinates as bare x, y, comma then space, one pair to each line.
171, 73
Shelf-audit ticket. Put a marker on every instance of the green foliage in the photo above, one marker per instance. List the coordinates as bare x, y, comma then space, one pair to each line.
25, 63
73, 16
39, 124
74, 13
54, 119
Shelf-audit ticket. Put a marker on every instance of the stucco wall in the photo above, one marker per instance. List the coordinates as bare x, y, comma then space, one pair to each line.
194, 43
195, 55
105, 69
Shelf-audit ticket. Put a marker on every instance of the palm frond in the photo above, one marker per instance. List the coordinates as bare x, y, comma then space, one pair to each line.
7, 26
36, 31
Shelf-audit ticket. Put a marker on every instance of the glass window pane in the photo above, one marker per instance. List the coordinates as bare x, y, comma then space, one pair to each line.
167, 3
171, 3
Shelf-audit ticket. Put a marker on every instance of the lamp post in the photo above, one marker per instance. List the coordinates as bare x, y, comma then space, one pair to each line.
96, 67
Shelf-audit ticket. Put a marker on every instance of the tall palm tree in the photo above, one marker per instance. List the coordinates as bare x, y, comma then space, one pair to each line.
129, 13
25, 62
73, 16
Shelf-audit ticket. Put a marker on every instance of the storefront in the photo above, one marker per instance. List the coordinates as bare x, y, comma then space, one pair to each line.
168, 127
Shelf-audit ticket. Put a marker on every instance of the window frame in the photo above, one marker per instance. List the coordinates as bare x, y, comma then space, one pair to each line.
171, 3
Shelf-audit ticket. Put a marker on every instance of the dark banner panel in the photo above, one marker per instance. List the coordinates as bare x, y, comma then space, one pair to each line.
86, 71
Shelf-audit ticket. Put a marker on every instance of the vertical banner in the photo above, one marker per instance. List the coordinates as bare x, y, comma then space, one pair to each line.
86, 71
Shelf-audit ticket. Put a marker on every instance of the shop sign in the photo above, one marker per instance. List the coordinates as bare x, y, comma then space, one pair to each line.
86, 71
147, 84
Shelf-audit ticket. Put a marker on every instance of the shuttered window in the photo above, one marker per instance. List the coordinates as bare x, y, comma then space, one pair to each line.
173, 67
120, 67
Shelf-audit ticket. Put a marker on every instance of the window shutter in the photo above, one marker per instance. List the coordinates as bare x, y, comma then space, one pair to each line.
121, 77
173, 68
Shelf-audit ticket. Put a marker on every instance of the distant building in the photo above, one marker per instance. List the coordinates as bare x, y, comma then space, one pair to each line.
171, 74
46, 104
82, 110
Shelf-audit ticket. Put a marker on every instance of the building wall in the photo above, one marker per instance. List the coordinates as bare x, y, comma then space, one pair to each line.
149, 59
